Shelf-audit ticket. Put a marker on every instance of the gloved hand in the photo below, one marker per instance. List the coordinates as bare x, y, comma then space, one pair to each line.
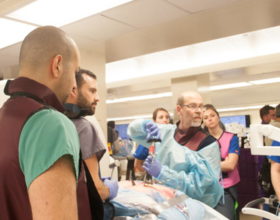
152, 131
113, 187
152, 166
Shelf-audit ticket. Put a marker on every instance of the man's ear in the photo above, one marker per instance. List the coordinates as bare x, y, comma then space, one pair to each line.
73, 95
74, 92
56, 66
178, 108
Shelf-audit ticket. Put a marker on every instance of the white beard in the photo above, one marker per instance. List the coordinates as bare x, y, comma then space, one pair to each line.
196, 123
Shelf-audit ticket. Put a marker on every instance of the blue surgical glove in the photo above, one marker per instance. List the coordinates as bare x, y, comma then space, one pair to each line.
152, 131
152, 166
113, 187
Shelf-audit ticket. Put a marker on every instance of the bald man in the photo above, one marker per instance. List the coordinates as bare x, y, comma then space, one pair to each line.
39, 151
177, 163
189, 132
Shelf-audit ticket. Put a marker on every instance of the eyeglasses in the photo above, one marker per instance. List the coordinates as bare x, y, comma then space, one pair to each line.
193, 107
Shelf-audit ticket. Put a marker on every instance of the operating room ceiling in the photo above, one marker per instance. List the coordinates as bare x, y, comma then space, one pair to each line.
145, 26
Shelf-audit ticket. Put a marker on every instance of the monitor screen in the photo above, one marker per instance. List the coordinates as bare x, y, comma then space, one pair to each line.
122, 129
243, 120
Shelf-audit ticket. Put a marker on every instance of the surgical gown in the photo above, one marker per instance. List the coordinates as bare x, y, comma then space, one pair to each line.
196, 173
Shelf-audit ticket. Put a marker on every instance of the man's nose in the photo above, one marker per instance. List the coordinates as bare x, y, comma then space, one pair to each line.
198, 111
97, 98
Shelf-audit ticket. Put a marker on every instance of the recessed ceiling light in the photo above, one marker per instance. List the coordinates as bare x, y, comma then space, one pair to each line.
62, 12
242, 108
229, 86
13, 32
136, 98
266, 81
133, 117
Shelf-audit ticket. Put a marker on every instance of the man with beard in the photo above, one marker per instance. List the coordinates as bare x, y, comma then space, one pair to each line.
82, 101
187, 158
189, 132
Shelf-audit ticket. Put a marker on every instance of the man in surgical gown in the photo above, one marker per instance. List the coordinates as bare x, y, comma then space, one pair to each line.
187, 158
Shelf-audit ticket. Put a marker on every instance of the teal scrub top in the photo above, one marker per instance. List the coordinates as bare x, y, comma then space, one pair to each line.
45, 138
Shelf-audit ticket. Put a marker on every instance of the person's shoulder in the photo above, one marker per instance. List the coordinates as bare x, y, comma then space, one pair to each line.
84, 126
47, 136
49, 119
82, 122
49, 115
208, 139
229, 133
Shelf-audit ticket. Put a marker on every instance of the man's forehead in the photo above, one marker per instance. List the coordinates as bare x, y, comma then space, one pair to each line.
88, 78
193, 99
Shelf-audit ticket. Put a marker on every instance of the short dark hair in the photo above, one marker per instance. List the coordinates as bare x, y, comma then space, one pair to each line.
157, 110
211, 107
265, 110
79, 76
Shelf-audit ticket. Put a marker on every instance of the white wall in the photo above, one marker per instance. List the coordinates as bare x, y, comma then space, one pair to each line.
93, 59
3, 97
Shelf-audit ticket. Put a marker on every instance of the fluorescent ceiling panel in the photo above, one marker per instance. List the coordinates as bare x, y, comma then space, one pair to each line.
229, 86
241, 84
133, 117
13, 32
234, 48
266, 81
62, 12
137, 98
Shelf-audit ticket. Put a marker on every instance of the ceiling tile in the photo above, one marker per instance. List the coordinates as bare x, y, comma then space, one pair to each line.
97, 27
9, 56
145, 13
7, 6
199, 5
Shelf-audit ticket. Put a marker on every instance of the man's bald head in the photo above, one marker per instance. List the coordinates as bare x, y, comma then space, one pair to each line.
187, 95
51, 58
42, 44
